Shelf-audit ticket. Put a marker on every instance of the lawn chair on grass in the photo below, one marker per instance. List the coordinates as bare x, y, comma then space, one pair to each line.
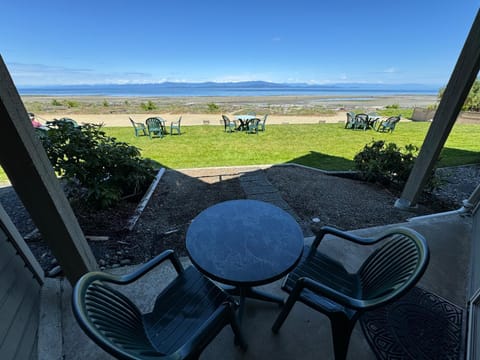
373, 117
261, 123
252, 126
230, 125
175, 125
350, 124
155, 127
361, 121
138, 127
389, 124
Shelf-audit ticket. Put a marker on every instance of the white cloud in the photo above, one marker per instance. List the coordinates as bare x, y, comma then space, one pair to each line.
39, 74
390, 70
242, 77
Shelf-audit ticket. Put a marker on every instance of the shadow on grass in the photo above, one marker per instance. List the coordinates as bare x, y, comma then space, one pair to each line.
453, 157
324, 161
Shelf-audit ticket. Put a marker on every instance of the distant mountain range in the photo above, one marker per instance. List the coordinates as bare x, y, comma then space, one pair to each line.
210, 88
270, 85
254, 84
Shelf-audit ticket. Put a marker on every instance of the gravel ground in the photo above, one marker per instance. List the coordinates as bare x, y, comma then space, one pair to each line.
180, 196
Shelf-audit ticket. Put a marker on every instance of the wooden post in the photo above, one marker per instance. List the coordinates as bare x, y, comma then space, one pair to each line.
459, 85
27, 166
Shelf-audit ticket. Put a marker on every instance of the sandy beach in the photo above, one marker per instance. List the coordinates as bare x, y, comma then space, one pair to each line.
115, 111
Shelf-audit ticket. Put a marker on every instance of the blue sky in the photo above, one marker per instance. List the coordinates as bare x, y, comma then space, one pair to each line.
314, 41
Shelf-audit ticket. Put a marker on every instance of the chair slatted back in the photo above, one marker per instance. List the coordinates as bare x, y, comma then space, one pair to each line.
350, 120
263, 122
228, 123
361, 121
394, 266
153, 123
115, 320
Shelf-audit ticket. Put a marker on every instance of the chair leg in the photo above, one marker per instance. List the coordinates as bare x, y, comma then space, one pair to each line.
283, 314
342, 328
239, 339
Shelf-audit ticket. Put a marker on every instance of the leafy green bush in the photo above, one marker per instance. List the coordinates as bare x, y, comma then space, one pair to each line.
393, 106
72, 103
385, 163
149, 105
97, 168
55, 102
213, 108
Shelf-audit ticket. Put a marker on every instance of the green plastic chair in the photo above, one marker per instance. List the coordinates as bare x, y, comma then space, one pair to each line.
389, 124
350, 124
186, 316
252, 126
361, 121
261, 124
324, 284
175, 125
230, 125
155, 127
138, 127
373, 117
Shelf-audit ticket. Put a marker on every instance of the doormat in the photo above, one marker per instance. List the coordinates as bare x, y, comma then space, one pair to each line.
420, 325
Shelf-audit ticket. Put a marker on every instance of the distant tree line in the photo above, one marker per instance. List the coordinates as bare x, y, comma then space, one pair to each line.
472, 103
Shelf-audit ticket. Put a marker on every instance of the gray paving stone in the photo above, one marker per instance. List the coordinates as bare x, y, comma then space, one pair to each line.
257, 187
253, 176
260, 189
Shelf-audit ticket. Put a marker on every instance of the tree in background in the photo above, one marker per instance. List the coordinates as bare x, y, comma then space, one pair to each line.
472, 103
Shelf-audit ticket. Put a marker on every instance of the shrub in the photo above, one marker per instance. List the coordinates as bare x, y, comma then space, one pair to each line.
55, 102
393, 106
148, 106
97, 168
72, 103
385, 163
213, 108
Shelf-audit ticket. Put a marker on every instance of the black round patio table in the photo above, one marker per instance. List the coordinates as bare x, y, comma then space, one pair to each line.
245, 243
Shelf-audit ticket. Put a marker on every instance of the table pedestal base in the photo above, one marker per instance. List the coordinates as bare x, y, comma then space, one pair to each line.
244, 292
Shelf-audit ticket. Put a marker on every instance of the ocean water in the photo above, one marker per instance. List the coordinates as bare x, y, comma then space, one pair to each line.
224, 89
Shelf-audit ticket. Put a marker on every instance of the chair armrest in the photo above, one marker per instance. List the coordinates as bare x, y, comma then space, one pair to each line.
197, 340
323, 290
324, 230
143, 269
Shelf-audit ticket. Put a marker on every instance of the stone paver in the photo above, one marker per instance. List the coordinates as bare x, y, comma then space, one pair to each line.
257, 187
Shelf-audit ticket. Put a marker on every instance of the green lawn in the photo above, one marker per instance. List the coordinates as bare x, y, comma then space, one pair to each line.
325, 146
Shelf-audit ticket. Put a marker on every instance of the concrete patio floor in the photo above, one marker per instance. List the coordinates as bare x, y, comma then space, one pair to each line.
305, 334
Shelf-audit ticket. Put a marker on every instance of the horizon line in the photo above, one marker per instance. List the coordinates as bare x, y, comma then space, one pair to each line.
306, 84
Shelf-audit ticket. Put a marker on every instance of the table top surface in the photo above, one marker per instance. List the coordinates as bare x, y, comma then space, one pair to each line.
244, 242
245, 117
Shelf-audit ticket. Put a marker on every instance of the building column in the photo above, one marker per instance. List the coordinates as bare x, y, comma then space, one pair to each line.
26, 164
458, 87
